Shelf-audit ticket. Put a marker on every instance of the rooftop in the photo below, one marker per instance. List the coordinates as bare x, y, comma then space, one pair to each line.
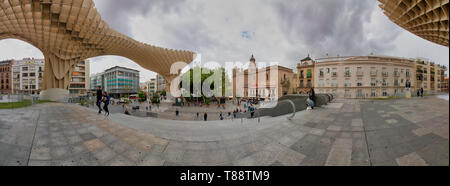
118, 68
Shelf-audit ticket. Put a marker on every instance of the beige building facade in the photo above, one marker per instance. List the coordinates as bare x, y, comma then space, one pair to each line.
364, 76
429, 75
268, 83
80, 81
306, 79
27, 76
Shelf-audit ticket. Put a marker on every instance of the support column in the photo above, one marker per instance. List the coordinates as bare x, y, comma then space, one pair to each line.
57, 75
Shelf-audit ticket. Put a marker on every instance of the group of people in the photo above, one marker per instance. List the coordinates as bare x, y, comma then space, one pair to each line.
103, 97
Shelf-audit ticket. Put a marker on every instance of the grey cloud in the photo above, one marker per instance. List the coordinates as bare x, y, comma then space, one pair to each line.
117, 13
330, 26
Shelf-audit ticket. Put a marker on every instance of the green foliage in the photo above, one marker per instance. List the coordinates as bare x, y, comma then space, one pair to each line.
155, 99
82, 102
206, 74
164, 93
142, 96
24, 103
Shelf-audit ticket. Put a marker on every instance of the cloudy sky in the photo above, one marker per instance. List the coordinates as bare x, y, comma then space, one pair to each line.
283, 31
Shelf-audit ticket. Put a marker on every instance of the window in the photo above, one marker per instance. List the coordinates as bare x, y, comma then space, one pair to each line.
373, 82
321, 83
348, 83
373, 93
348, 94
396, 82
309, 75
328, 70
334, 72
360, 94
309, 84
25, 75
360, 71
334, 83
385, 84
24, 68
408, 73
360, 82
321, 72
347, 72
302, 74
302, 84
385, 94
385, 72
373, 71
396, 74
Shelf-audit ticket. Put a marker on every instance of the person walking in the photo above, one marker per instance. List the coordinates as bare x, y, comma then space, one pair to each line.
421, 92
106, 100
205, 116
177, 113
99, 99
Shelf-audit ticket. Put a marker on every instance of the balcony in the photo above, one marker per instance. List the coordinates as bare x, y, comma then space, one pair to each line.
385, 74
348, 74
396, 74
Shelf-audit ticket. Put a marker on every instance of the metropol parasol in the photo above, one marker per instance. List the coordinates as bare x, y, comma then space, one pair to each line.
69, 31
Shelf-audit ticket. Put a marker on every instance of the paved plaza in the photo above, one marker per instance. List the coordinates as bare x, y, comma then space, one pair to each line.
346, 132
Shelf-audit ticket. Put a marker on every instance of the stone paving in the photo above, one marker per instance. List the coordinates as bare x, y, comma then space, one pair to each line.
348, 132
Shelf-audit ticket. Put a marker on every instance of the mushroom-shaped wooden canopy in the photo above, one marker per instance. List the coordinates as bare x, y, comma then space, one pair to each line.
70, 31
425, 18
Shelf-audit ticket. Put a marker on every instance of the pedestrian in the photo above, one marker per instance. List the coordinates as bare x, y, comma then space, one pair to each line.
421, 92
177, 113
312, 95
205, 116
99, 99
221, 116
418, 93
106, 100
198, 115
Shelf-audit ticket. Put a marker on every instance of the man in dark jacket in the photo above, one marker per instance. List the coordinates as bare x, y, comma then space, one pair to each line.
99, 99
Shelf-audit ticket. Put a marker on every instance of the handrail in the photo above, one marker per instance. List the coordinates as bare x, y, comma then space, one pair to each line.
293, 107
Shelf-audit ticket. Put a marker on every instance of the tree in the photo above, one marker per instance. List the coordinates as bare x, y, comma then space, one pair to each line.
142, 96
155, 99
164, 93
204, 76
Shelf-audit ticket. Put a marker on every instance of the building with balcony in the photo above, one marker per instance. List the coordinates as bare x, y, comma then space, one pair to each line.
306, 69
80, 82
268, 83
97, 80
6, 77
429, 75
363, 76
152, 87
445, 86
121, 81
27, 76
160, 84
